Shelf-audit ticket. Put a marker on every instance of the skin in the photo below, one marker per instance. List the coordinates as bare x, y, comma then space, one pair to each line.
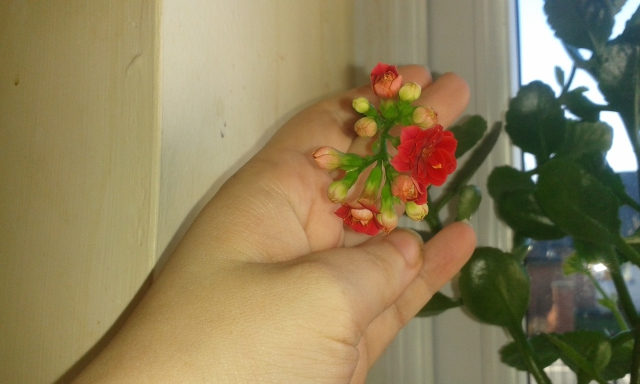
269, 286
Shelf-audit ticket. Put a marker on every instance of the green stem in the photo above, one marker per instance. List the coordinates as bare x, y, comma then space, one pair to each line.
616, 312
433, 220
527, 353
623, 247
632, 315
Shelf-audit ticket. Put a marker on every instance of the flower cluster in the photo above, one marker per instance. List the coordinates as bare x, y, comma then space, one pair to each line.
400, 168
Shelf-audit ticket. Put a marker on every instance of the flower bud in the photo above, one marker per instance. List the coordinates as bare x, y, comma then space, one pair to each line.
387, 217
328, 158
366, 127
385, 81
409, 92
369, 196
361, 105
338, 191
424, 117
416, 212
404, 187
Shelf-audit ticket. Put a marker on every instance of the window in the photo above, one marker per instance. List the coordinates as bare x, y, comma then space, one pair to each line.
562, 303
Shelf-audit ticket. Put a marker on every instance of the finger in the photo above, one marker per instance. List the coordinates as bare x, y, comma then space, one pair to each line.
448, 96
444, 256
370, 277
332, 120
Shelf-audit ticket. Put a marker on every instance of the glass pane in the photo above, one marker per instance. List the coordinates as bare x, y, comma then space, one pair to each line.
561, 303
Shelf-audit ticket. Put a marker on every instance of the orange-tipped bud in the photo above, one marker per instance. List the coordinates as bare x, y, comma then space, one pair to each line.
328, 158
366, 127
404, 187
410, 92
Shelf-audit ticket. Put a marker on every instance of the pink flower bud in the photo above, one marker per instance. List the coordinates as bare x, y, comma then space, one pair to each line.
410, 92
424, 117
366, 127
361, 105
416, 212
385, 81
328, 158
388, 218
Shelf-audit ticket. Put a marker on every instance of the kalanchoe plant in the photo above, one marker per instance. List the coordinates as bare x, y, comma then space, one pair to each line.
399, 169
571, 192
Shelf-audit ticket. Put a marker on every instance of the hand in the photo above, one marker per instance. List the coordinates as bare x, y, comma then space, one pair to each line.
268, 286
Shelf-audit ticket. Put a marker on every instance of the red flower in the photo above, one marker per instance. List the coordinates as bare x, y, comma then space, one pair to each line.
359, 218
385, 81
427, 154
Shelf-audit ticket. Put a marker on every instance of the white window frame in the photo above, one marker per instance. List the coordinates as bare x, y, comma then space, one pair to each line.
476, 39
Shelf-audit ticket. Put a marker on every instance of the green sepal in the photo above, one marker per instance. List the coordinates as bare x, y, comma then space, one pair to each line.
437, 304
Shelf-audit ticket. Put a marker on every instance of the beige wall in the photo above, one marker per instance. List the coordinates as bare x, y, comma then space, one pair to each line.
118, 119
78, 175
232, 72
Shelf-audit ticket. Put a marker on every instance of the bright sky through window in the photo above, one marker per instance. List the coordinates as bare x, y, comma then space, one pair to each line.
541, 51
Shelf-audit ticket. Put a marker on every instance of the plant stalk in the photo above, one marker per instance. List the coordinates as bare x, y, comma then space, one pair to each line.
527, 353
631, 314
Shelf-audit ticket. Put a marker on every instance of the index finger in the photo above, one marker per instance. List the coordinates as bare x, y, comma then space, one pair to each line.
333, 119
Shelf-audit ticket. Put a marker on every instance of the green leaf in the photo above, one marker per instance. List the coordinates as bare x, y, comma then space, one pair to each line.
545, 352
577, 202
582, 23
591, 253
513, 191
494, 287
535, 120
573, 264
578, 104
438, 304
469, 133
469, 201
614, 69
631, 33
621, 354
521, 211
585, 137
585, 352
508, 179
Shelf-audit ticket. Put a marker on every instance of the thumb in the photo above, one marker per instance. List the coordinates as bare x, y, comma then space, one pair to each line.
370, 277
